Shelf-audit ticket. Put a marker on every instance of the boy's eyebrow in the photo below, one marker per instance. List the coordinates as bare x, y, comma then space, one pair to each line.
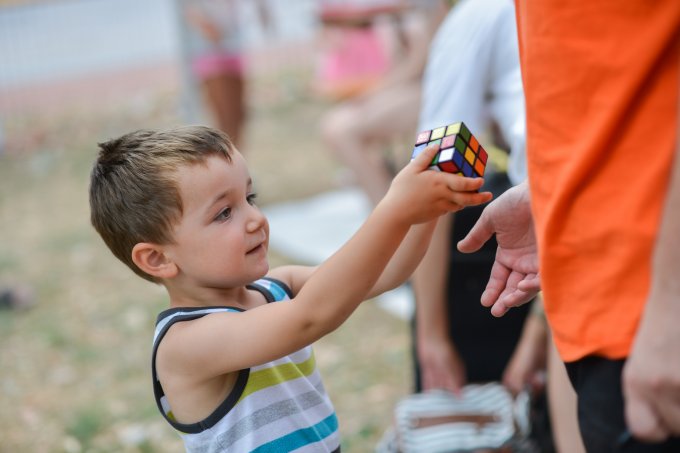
218, 198
225, 194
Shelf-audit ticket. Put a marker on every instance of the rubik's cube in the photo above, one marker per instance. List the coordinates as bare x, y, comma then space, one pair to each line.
459, 150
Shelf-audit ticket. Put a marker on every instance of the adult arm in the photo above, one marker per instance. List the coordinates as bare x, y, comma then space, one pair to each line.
439, 362
528, 361
651, 381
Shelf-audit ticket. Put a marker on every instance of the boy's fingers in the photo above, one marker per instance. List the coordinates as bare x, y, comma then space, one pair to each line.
463, 184
424, 159
459, 183
471, 198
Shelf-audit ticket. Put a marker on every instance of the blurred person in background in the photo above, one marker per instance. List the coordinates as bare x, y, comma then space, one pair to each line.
215, 42
352, 54
360, 129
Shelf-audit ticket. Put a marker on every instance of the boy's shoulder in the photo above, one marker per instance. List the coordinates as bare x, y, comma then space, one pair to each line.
271, 288
187, 340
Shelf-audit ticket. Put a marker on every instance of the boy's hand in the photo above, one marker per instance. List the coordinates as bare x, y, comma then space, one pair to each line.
422, 195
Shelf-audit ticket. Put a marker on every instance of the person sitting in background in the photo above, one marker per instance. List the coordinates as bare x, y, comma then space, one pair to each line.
360, 129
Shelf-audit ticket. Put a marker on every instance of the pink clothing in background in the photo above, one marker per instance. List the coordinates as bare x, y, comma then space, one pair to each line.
354, 61
206, 66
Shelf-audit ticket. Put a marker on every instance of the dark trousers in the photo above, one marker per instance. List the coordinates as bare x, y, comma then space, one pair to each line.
485, 343
597, 382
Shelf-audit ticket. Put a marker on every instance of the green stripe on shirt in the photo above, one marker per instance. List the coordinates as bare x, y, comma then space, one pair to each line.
262, 379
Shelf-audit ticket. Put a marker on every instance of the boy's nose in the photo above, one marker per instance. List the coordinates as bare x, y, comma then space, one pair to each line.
256, 219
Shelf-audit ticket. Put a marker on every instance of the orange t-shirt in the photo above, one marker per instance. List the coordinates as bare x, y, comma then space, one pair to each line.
601, 79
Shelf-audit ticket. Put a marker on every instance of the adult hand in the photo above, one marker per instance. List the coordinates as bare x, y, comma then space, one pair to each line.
440, 364
527, 366
651, 376
514, 278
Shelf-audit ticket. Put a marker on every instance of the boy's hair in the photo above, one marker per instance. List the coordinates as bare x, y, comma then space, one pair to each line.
133, 187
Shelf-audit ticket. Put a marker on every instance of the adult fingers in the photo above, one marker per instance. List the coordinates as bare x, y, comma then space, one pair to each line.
439, 374
480, 232
668, 407
499, 309
643, 421
511, 296
496, 285
444, 379
514, 296
532, 282
517, 297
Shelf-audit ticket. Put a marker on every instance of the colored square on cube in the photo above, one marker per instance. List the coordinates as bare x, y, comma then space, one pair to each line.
445, 161
460, 151
447, 142
423, 137
474, 144
437, 133
453, 129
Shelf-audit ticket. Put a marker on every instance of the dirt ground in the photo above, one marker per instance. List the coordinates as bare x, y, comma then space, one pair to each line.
74, 369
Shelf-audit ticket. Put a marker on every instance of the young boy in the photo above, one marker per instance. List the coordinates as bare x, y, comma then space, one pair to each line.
233, 368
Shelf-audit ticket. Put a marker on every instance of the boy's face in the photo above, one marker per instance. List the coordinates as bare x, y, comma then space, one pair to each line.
222, 238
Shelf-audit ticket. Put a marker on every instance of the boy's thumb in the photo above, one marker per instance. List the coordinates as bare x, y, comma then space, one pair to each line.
425, 157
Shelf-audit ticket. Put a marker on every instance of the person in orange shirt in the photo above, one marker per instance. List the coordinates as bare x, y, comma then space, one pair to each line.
593, 226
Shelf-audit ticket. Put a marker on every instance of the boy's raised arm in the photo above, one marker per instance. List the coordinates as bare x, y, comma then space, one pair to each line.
334, 290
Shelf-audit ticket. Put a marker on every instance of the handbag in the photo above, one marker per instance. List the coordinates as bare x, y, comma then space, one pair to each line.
483, 417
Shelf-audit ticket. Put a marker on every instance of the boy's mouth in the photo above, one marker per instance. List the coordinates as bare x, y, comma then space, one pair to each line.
256, 249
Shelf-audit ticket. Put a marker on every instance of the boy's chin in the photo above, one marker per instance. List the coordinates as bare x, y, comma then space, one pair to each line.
264, 271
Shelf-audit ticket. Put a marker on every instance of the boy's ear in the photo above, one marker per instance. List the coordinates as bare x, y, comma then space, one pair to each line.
152, 259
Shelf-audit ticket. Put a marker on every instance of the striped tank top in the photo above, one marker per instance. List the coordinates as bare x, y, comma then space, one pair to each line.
280, 406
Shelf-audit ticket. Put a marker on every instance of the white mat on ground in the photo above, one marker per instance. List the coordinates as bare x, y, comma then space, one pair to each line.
310, 230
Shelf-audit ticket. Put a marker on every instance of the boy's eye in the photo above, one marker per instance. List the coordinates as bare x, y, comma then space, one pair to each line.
224, 214
251, 198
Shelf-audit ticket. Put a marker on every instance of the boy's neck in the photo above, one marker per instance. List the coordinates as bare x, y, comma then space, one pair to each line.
196, 297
